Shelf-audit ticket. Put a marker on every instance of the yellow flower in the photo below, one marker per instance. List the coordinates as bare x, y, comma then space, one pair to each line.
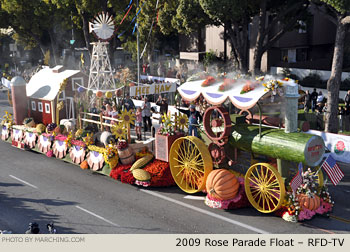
280, 83
264, 84
265, 90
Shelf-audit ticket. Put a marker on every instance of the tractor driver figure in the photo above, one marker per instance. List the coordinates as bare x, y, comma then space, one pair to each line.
194, 117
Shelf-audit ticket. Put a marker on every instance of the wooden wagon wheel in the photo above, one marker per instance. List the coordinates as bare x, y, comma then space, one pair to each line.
264, 187
190, 163
247, 112
217, 124
217, 153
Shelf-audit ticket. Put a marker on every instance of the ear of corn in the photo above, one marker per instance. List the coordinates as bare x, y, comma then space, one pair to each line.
141, 162
141, 175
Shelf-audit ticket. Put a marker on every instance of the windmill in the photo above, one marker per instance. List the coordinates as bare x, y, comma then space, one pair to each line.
101, 74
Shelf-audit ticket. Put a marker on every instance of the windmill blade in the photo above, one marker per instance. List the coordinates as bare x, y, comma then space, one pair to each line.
103, 26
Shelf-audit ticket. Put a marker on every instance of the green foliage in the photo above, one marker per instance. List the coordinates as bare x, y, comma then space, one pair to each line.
209, 58
313, 80
342, 6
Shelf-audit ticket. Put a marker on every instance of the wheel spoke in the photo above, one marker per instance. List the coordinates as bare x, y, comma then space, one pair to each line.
271, 201
253, 181
273, 195
181, 170
178, 161
179, 156
257, 179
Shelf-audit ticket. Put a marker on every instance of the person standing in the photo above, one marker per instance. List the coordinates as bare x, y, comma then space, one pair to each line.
138, 123
347, 100
128, 103
307, 101
163, 107
146, 115
194, 118
314, 96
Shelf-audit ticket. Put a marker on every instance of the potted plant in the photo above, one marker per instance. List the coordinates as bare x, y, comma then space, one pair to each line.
165, 137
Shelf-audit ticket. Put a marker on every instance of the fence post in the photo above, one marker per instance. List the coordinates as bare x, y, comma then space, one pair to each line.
101, 121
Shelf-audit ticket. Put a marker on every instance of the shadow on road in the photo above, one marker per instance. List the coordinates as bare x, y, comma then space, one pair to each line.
17, 212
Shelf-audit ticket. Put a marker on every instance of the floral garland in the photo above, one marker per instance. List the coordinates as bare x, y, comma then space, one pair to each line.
80, 143
7, 119
110, 154
249, 86
292, 211
208, 81
228, 83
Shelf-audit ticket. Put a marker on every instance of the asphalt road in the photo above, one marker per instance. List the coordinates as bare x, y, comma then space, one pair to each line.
36, 188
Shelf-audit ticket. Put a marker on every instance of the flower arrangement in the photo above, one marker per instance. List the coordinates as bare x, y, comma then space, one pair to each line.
272, 85
122, 145
88, 140
249, 86
228, 83
51, 127
69, 139
7, 119
293, 211
208, 81
167, 127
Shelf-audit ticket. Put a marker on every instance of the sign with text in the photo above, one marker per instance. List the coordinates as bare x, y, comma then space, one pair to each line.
339, 145
152, 89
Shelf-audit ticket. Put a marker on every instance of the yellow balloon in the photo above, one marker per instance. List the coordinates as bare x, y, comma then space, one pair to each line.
109, 94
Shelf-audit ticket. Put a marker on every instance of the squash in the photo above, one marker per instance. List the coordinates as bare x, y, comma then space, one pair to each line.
40, 128
311, 203
84, 165
141, 175
222, 184
142, 162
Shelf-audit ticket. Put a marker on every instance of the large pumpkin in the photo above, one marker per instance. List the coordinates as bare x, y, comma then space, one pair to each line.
222, 184
311, 203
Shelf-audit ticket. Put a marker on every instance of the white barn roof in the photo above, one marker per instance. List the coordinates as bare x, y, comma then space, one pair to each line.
45, 84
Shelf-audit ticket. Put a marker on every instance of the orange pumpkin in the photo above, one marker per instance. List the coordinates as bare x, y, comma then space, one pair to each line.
84, 165
311, 203
222, 184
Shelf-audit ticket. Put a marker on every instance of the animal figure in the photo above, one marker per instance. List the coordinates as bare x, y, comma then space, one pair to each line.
102, 139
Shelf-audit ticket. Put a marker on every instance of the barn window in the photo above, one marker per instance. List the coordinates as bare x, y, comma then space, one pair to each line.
33, 106
40, 106
76, 82
47, 108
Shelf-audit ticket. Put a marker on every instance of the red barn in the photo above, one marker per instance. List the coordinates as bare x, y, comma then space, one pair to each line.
42, 91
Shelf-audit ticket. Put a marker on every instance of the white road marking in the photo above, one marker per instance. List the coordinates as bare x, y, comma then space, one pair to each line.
194, 197
24, 182
254, 229
97, 216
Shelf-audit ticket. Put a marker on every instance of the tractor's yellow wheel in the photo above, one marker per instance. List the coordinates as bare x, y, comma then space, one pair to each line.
264, 187
190, 163
319, 176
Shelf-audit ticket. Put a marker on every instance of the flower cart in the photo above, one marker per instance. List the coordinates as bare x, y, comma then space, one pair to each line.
267, 155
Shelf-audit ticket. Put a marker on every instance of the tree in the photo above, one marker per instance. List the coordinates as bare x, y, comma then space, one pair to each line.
233, 15
285, 14
338, 12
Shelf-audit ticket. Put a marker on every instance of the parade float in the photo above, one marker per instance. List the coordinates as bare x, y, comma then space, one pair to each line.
234, 161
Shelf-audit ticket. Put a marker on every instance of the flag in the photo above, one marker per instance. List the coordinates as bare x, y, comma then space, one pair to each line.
298, 178
332, 169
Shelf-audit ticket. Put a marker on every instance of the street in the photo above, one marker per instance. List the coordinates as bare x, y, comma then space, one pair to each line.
35, 188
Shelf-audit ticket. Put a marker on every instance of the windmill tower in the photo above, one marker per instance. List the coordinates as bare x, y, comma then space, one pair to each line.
101, 74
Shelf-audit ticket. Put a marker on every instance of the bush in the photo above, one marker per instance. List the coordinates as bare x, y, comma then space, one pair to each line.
345, 84
313, 80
